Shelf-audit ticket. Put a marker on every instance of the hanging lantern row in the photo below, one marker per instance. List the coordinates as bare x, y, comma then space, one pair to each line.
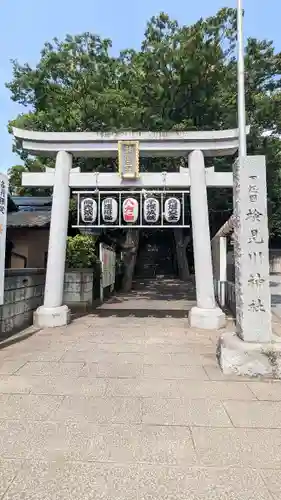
130, 210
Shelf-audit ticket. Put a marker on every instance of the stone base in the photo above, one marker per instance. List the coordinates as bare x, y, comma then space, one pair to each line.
207, 319
49, 317
249, 358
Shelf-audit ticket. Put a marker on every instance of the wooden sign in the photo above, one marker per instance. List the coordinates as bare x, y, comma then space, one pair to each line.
128, 159
4, 186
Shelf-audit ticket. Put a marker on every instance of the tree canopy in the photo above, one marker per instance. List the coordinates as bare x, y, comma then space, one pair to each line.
183, 77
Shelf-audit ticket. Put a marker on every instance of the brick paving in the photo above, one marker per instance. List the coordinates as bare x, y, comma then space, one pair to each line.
119, 406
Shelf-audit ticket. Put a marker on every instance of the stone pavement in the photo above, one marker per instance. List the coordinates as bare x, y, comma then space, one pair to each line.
275, 288
119, 407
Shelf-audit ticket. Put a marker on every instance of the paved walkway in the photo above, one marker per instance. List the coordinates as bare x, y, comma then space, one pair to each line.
122, 408
275, 288
160, 297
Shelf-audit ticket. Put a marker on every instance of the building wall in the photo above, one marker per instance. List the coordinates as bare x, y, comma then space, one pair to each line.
31, 243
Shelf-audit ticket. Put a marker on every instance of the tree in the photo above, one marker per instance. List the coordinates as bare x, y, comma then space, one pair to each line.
183, 77
15, 179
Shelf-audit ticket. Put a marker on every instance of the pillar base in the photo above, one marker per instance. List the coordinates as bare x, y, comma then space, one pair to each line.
50, 317
250, 359
207, 319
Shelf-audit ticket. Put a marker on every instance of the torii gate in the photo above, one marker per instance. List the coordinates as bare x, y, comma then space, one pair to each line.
65, 145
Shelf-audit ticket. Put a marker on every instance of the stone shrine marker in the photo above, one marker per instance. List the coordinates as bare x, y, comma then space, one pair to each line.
253, 306
252, 350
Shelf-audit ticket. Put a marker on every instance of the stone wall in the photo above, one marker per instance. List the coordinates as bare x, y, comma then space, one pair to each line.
24, 290
78, 287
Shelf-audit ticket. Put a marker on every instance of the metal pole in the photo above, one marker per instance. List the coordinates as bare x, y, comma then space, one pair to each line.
241, 83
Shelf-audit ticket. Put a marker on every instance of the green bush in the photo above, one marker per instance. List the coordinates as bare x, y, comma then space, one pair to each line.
80, 252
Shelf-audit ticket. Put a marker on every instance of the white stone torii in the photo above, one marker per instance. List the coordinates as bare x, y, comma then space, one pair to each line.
65, 145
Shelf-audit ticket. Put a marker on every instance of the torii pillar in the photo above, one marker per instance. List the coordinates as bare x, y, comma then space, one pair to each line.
53, 312
206, 314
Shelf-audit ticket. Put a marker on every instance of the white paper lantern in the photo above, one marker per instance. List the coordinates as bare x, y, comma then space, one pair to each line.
130, 210
151, 210
89, 210
109, 210
172, 210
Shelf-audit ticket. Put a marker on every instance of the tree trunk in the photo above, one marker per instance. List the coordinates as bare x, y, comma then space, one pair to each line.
130, 250
181, 246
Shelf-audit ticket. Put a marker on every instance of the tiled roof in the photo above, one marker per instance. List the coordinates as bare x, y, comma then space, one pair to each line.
29, 219
33, 201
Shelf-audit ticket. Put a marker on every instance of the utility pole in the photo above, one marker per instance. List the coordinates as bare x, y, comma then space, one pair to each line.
241, 83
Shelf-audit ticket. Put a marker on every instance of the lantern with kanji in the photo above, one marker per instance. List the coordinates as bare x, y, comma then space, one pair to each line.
172, 210
130, 210
89, 210
151, 210
109, 210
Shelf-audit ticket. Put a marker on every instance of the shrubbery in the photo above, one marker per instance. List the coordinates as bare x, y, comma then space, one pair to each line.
81, 252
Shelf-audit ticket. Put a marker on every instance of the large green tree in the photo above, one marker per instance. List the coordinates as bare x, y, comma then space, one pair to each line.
183, 77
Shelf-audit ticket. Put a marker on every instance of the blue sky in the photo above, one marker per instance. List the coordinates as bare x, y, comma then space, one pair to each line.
26, 24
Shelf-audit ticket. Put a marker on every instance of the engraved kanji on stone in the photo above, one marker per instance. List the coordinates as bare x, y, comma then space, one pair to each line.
254, 215
256, 256
253, 193
256, 306
256, 280
255, 237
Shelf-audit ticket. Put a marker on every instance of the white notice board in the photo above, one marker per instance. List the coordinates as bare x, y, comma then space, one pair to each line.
4, 186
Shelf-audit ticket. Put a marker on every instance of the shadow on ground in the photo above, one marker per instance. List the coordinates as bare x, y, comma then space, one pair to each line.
160, 298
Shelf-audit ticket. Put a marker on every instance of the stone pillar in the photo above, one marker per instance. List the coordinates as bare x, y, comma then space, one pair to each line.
53, 312
253, 304
206, 315
253, 350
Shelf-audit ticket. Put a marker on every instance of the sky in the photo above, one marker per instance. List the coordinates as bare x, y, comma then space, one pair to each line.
25, 25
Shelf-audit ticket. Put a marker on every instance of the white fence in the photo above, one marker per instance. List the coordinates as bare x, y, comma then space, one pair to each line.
225, 295
224, 288
108, 268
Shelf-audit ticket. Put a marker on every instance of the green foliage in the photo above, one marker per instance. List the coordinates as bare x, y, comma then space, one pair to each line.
80, 252
15, 176
184, 77
72, 211
15, 179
